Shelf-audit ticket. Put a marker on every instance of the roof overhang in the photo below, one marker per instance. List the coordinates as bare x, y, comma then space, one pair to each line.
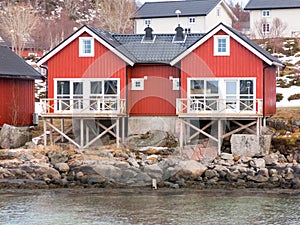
75, 35
232, 35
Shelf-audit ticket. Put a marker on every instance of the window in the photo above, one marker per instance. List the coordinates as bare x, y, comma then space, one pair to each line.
176, 84
221, 45
218, 12
266, 28
86, 46
187, 30
204, 94
87, 94
223, 95
147, 22
266, 13
137, 84
192, 20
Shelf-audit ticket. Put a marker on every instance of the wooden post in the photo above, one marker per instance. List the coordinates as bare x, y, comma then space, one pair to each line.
123, 129
220, 135
118, 132
45, 131
81, 133
51, 132
62, 127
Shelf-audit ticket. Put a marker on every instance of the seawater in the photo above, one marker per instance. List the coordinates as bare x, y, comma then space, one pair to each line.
143, 206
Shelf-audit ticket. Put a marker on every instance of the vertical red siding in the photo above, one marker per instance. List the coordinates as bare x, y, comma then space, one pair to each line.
241, 63
68, 64
270, 91
17, 101
158, 97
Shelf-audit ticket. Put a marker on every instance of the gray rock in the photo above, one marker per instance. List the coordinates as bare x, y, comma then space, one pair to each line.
154, 171
257, 163
62, 167
209, 173
226, 156
189, 169
271, 159
133, 162
14, 137
250, 145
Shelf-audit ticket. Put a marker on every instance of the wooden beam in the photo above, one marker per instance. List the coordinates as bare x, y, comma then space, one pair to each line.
203, 128
45, 131
104, 127
201, 131
100, 135
68, 138
239, 129
247, 129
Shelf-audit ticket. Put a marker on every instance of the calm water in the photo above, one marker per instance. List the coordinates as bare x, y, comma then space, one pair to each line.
94, 206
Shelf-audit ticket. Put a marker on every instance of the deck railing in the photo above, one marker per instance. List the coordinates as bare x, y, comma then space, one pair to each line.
83, 106
212, 106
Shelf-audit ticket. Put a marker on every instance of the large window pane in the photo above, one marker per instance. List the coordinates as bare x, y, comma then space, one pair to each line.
212, 87
96, 87
197, 87
77, 88
111, 87
246, 87
63, 87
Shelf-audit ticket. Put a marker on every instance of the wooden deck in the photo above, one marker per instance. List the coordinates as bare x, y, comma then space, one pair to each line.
219, 108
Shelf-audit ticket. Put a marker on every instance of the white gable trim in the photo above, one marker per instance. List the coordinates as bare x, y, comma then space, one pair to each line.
76, 35
232, 35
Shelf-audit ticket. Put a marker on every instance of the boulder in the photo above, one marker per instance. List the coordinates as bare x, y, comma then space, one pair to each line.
62, 167
14, 137
189, 169
271, 159
250, 145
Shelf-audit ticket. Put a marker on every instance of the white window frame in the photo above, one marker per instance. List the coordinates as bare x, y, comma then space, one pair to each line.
216, 45
218, 12
192, 20
86, 89
266, 27
81, 47
265, 13
222, 91
147, 22
137, 84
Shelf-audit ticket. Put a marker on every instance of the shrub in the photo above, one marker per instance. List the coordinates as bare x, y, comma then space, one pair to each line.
279, 97
281, 83
294, 97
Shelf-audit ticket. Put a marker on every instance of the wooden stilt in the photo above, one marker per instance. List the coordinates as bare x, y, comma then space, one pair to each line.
81, 133
220, 135
45, 132
51, 132
118, 132
62, 127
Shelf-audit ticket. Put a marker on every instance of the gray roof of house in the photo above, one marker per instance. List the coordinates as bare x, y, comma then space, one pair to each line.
168, 8
161, 50
272, 4
12, 66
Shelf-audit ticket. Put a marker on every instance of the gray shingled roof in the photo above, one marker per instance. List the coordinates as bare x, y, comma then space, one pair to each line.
272, 4
12, 66
161, 50
168, 8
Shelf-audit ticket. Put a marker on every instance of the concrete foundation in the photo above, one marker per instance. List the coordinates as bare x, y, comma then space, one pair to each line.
142, 124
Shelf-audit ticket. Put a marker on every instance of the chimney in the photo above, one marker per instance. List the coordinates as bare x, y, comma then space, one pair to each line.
148, 34
179, 36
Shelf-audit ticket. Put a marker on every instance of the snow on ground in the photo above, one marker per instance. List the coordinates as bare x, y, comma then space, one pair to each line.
286, 92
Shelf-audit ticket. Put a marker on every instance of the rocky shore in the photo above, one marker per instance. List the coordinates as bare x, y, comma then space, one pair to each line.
149, 167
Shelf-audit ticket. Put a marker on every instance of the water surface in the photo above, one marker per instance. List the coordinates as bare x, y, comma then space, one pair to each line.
143, 206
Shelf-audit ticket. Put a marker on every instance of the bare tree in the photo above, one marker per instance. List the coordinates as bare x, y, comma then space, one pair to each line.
276, 31
18, 21
114, 15
262, 28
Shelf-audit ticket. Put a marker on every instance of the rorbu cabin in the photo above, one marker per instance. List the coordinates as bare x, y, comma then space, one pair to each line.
17, 93
194, 86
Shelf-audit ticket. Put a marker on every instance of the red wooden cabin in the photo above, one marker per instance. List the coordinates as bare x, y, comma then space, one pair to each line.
16, 89
191, 81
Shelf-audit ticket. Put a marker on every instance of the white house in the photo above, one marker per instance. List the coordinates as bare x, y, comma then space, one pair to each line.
193, 16
264, 12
